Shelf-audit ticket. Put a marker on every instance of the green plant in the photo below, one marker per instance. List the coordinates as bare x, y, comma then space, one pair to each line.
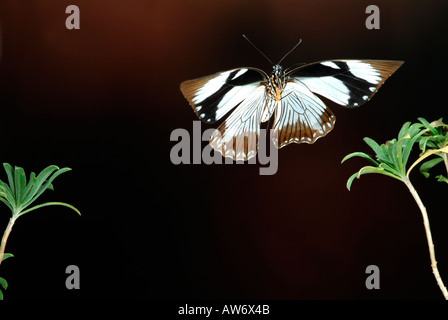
17, 195
433, 141
391, 160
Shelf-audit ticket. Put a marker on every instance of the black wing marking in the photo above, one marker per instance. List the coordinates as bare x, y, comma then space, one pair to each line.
214, 96
350, 83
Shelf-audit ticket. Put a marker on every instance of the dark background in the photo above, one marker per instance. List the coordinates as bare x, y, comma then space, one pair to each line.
104, 100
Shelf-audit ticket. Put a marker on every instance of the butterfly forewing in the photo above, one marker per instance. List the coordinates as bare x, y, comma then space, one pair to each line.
349, 83
214, 96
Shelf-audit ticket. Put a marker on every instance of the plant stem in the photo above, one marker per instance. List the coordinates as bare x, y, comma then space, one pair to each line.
5, 236
432, 254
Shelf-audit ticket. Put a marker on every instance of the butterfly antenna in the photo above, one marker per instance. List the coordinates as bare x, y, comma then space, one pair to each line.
257, 49
300, 41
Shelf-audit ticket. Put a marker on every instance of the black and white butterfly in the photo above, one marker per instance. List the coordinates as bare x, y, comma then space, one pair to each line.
287, 95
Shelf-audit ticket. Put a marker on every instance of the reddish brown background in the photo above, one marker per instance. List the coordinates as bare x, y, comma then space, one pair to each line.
104, 99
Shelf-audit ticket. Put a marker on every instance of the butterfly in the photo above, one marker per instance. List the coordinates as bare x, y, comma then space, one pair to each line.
251, 97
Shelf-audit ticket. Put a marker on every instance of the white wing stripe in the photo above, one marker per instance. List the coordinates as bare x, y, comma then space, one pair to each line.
329, 87
364, 70
233, 97
239, 73
210, 87
330, 64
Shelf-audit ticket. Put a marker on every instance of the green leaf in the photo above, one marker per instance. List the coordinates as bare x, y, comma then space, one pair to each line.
3, 185
10, 201
350, 180
442, 178
370, 169
395, 155
50, 204
7, 203
6, 189
20, 183
48, 184
10, 174
428, 126
403, 130
424, 156
2, 191
426, 166
3, 283
41, 178
385, 153
408, 148
32, 181
431, 144
362, 155
7, 255
422, 143
372, 144
389, 168
415, 129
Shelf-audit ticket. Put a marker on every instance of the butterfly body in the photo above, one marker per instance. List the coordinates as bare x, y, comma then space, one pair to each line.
252, 97
276, 83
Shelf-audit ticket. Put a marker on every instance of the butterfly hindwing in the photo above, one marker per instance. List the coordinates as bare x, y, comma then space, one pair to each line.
300, 116
349, 83
214, 96
237, 136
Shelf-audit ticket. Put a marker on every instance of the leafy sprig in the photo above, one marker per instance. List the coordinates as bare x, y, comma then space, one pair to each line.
391, 157
391, 160
18, 195
433, 141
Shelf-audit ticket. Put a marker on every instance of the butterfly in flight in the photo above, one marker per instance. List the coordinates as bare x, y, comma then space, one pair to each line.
289, 96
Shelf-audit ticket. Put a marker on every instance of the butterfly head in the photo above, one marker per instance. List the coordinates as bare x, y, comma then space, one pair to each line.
277, 75
277, 71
